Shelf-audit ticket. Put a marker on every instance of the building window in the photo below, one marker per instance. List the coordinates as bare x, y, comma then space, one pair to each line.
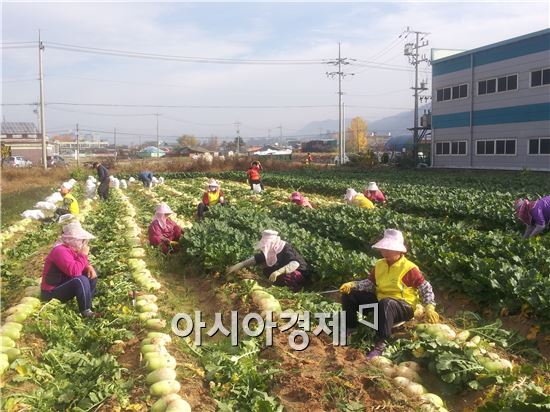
500, 84
452, 93
540, 77
496, 147
454, 148
491, 86
539, 146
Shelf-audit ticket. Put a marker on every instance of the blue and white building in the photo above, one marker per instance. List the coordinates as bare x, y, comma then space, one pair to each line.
491, 106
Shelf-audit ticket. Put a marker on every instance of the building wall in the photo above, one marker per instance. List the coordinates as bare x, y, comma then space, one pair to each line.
32, 152
519, 114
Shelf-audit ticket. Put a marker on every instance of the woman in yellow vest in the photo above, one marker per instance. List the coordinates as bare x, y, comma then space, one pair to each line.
396, 284
70, 204
212, 197
358, 199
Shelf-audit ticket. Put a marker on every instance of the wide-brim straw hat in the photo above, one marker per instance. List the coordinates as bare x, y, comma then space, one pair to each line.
392, 240
74, 230
164, 208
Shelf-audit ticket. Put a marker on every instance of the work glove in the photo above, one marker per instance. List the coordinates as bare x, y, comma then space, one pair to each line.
289, 268
240, 265
174, 243
347, 287
431, 315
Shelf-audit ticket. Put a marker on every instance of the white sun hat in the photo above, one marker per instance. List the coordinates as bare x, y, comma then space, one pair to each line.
350, 194
372, 186
213, 183
75, 231
392, 240
164, 208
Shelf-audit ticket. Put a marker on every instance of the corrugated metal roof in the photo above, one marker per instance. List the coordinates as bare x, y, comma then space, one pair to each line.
19, 128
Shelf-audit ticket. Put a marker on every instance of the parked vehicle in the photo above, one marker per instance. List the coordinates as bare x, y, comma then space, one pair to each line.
56, 161
16, 161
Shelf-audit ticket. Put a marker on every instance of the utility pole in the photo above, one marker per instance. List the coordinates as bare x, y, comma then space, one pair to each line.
339, 62
238, 125
114, 137
77, 147
42, 117
412, 50
343, 132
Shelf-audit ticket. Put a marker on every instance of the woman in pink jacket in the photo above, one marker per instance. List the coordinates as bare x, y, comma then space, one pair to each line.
163, 231
67, 272
298, 199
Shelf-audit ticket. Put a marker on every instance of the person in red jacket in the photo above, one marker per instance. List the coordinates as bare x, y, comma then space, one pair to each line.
68, 273
253, 173
374, 194
163, 231
212, 197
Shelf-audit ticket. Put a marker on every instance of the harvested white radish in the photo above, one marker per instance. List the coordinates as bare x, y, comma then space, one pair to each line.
401, 381
178, 405
411, 365
408, 373
162, 403
163, 388
433, 398
162, 374
415, 389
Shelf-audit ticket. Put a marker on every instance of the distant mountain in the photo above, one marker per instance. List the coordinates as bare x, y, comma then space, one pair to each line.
396, 124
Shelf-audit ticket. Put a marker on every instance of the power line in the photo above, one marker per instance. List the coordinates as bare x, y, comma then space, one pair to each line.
184, 106
188, 59
102, 114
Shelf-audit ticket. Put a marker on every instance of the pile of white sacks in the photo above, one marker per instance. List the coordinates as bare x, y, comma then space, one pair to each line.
52, 201
48, 204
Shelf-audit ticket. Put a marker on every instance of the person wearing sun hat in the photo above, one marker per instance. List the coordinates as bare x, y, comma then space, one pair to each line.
68, 273
281, 263
374, 194
163, 231
212, 197
298, 199
534, 214
357, 199
395, 284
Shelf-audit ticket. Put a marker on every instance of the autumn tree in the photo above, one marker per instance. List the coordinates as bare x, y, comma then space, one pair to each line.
356, 135
187, 140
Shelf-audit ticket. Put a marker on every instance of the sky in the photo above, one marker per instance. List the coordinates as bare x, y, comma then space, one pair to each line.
267, 99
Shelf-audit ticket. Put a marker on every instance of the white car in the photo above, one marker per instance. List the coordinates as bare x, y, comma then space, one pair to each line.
337, 159
16, 161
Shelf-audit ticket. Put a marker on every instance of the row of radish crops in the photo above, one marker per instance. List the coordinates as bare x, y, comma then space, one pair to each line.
57, 360
469, 357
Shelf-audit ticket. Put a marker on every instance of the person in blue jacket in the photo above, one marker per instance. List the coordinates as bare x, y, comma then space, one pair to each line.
146, 177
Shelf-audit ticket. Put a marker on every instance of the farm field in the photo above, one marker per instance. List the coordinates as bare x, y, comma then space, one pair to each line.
492, 289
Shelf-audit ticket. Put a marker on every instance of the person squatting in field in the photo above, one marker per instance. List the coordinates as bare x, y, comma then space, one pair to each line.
395, 284
68, 273
253, 173
534, 214
298, 199
212, 197
357, 199
163, 231
374, 194
282, 264
70, 204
